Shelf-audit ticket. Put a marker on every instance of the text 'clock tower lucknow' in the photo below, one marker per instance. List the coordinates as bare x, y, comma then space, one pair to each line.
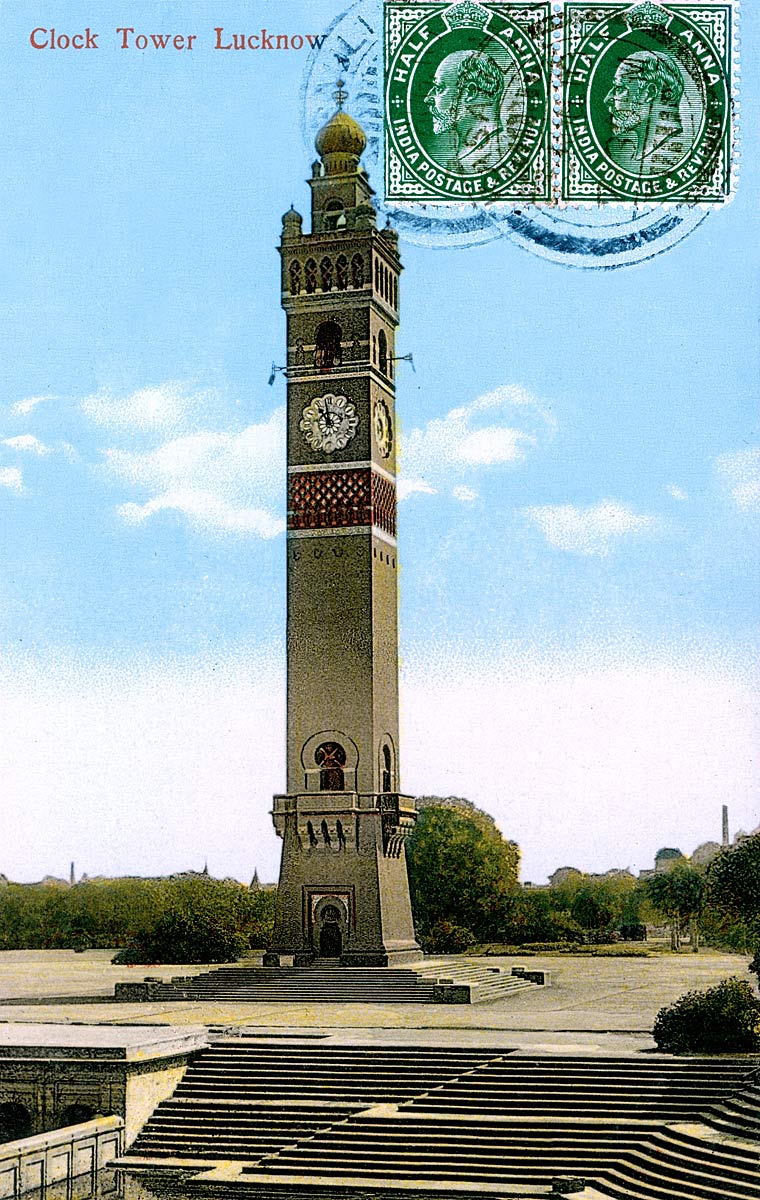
344, 892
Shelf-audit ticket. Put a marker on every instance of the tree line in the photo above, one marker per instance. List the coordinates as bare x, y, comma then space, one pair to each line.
183, 918
464, 882
463, 876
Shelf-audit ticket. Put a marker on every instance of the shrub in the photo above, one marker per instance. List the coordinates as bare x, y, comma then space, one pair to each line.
723, 1020
446, 938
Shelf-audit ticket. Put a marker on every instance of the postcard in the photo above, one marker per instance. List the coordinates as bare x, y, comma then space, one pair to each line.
568, 201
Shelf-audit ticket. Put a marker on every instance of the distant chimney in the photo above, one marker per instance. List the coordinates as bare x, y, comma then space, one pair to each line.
72, 880
725, 825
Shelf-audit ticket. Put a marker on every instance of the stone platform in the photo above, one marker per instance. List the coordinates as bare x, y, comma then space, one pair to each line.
56, 1075
435, 982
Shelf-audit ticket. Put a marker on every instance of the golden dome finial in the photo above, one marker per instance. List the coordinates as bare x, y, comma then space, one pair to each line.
341, 142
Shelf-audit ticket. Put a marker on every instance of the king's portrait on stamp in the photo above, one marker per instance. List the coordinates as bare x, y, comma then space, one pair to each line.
647, 102
473, 110
467, 101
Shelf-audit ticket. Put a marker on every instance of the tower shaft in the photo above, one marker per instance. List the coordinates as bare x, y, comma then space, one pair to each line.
343, 890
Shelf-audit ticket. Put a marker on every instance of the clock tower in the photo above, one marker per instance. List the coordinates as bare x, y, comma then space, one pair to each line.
343, 891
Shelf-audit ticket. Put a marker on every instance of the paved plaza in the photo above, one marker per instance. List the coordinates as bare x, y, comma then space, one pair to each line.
602, 1005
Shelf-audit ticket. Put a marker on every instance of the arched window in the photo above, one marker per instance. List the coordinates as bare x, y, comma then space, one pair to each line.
357, 271
377, 276
374, 349
335, 215
382, 347
295, 277
330, 757
386, 289
326, 273
328, 352
310, 275
341, 268
387, 781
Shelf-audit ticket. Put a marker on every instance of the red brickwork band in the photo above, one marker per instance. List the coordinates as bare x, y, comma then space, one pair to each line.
339, 499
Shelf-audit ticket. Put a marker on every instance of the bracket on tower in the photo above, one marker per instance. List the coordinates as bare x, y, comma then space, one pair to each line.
405, 358
273, 372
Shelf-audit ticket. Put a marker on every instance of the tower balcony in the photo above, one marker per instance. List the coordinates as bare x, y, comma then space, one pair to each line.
330, 820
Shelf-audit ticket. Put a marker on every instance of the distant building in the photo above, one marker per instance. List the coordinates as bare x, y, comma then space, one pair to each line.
563, 875
705, 853
664, 859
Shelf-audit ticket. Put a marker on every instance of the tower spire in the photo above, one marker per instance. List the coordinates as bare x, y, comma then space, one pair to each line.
340, 95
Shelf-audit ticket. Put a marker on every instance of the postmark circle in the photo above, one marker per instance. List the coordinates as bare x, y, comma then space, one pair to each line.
574, 237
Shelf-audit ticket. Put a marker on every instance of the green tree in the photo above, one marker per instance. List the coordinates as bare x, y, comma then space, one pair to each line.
733, 882
537, 916
679, 895
201, 920
593, 908
461, 869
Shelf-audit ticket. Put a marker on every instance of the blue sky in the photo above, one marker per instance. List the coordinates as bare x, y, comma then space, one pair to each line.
580, 470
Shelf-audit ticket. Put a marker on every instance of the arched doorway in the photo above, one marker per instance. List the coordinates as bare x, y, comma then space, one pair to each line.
330, 935
15, 1122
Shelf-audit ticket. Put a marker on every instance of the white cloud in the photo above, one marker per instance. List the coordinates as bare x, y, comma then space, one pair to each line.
410, 487
465, 438
225, 482
207, 511
27, 442
741, 474
676, 492
464, 493
591, 530
29, 403
11, 478
164, 408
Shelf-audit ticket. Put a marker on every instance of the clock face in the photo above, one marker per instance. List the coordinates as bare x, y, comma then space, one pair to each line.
329, 422
381, 420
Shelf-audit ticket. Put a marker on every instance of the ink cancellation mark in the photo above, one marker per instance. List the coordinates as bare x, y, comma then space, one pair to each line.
467, 101
647, 106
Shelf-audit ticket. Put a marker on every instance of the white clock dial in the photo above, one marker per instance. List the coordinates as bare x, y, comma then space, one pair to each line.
329, 422
381, 420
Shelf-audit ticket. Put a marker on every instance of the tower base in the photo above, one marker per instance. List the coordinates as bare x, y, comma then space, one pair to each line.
343, 895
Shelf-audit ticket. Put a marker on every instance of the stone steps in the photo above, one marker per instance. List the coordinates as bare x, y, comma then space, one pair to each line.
342, 985
434, 1119
738, 1115
526, 1156
666, 1166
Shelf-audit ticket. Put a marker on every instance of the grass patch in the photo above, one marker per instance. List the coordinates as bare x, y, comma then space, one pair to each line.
617, 950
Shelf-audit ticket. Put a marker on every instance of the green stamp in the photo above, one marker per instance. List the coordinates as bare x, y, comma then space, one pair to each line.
467, 101
647, 102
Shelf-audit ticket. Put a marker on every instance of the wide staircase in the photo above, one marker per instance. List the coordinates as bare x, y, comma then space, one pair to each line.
298, 1118
430, 983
